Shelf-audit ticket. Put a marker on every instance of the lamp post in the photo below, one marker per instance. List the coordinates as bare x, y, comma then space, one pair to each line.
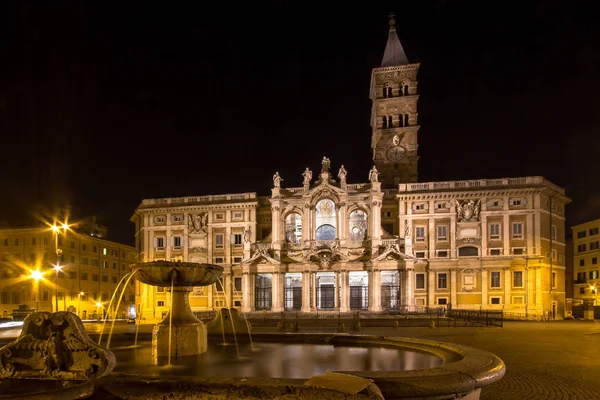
56, 230
36, 276
79, 305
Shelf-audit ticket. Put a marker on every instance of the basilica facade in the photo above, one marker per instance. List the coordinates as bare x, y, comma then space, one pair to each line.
389, 243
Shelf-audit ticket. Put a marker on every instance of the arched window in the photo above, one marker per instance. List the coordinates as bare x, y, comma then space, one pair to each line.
406, 90
400, 120
389, 92
468, 251
390, 123
384, 122
405, 119
293, 228
385, 92
358, 226
326, 220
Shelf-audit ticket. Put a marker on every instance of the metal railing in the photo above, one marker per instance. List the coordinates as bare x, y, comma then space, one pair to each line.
479, 317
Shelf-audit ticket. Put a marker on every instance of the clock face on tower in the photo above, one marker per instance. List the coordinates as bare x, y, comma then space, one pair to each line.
395, 153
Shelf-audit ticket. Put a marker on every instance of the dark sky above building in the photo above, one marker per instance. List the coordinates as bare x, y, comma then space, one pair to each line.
106, 103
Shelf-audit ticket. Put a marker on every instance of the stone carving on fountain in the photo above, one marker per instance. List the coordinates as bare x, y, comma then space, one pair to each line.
54, 346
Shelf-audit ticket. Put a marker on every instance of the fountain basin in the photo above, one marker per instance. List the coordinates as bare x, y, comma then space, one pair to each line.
162, 273
462, 373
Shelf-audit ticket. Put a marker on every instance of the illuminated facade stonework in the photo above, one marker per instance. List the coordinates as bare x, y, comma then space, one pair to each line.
586, 261
387, 243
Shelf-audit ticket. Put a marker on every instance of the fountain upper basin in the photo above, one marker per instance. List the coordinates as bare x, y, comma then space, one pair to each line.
160, 273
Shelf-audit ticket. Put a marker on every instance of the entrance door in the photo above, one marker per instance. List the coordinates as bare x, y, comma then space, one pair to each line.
327, 297
297, 298
358, 297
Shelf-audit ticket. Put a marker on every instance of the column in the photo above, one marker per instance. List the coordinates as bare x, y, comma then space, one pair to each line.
344, 305
336, 291
246, 304
305, 291
529, 289
538, 288
507, 286
371, 289
409, 295
484, 234
375, 287
431, 287
484, 288
275, 292
431, 236
529, 234
538, 233
314, 291
452, 237
453, 288
506, 233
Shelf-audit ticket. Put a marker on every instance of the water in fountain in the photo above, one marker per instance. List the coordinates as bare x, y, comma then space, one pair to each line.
139, 318
237, 347
112, 326
222, 326
111, 303
245, 320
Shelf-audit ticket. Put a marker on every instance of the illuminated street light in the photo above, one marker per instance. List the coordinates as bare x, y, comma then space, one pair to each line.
55, 228
36, 275
65, 226
98, 304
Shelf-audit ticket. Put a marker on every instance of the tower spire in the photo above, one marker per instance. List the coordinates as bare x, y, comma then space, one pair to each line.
394, 53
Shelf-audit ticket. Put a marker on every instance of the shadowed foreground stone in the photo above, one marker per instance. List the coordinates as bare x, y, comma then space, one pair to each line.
53, 358
223, 323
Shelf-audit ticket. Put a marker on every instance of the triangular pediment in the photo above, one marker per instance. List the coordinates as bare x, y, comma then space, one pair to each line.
325, 190
393, 252
261, 256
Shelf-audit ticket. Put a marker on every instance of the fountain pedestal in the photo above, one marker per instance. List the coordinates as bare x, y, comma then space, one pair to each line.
188, 335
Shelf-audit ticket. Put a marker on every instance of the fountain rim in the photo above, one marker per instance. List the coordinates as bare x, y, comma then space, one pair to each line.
464, 368
179, 266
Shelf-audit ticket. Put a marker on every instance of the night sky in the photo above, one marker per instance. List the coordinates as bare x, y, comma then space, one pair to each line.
103, 104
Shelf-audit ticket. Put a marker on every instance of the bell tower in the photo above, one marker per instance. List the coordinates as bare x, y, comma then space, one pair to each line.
394, 114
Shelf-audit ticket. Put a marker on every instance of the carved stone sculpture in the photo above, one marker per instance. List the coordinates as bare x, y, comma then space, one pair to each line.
277, 180
198, 223
326, 164
374, 175
54, 346
468, 210
307, 175
342, 174
247, 235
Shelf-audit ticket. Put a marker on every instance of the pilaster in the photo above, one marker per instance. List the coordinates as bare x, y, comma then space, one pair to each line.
410, 279
431, 287
507, 287
306, 291
454, 285
344, 304
484, 288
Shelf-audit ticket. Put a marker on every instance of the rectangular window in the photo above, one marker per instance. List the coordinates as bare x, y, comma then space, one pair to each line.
593, 231
114, 279
581, 276
494, 231
419, 234
420, 284
554, 280
594, 260
494, 300
219, 260
114, 265
553, 232
594, 245
238, 215
495, 283
94, 249
442, 233
219, 286
442, 301
72, 259
581, 234
104, 264
420, 254
494, 252
581, 247
84, 276
442, 280
72, 245
442, 253
518, 278
237, 283
237, 259
94, 263
219, 217
105, 278
554, 255
517, 230
72, 275
517, 251
593, 274
160, 303
94, 278
582, 263
177, 241
84, 261
219, 241
160, 242
104, 251
518, 300
237, 239
61, 295
84, 247
581, 290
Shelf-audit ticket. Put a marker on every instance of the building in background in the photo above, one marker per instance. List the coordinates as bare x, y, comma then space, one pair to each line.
384, 243
89, 270
586, 253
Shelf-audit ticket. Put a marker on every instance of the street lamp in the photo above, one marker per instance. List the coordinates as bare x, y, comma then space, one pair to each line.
79, 306
56, 230
36, 276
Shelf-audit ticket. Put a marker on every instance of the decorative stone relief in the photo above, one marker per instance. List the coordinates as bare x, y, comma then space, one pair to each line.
54, 346
468, 210
198, 223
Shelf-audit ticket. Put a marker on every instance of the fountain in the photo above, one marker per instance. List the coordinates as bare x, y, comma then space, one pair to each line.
180, 333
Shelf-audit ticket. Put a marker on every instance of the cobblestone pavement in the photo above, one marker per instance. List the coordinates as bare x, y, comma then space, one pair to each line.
553, 360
